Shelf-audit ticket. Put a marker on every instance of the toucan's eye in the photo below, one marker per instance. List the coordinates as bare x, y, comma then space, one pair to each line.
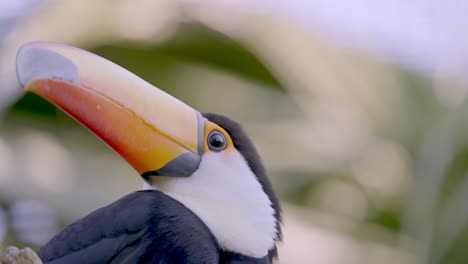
216, 141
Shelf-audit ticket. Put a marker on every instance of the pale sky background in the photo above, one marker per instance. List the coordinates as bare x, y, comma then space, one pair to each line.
425, 35
428, 36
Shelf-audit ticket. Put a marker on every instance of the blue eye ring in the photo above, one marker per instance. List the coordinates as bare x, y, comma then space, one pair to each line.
216, 141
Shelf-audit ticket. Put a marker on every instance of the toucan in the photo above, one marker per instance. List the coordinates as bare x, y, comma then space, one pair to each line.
206, 197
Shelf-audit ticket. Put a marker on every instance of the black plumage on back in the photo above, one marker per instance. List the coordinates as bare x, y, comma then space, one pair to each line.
142, 227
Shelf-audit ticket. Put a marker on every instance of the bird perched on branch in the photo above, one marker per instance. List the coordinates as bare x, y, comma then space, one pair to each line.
208, 198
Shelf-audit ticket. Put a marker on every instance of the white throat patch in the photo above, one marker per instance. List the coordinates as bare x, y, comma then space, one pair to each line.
228, 198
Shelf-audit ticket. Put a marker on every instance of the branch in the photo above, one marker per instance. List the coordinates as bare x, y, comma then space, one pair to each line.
13, 255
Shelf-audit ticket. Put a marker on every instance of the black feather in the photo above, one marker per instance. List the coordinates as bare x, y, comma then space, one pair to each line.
142, 227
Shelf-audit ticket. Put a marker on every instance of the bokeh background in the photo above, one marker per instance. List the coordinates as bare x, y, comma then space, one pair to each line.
357, 108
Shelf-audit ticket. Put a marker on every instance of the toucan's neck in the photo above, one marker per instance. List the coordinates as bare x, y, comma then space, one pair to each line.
229, 199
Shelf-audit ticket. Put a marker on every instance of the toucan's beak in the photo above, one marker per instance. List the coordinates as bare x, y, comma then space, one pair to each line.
156, 133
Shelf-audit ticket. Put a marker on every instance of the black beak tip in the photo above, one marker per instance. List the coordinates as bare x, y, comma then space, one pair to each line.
34, 62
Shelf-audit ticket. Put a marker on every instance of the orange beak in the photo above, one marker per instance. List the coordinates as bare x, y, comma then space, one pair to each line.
155, 132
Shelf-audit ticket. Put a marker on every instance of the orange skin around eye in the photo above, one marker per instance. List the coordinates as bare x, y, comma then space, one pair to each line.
210, 126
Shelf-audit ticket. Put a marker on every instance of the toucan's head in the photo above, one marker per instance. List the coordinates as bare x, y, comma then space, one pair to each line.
205, 161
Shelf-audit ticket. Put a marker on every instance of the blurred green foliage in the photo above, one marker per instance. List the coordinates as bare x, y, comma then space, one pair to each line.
195, 44
191, 44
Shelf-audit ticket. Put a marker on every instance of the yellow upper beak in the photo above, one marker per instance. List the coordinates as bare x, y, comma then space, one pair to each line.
155, 132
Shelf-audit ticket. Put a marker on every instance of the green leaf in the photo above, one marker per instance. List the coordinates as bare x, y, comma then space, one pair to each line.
191, 44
